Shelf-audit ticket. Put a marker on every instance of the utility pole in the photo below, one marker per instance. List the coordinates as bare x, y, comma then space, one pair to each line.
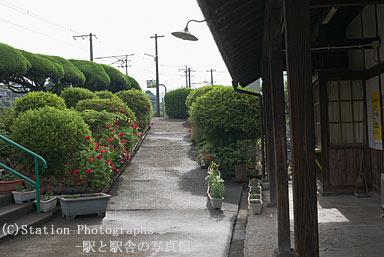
157, 75
90, 36
189, 76
185, 74
211, 71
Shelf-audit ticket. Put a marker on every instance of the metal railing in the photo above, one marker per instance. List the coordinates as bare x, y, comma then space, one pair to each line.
36, 158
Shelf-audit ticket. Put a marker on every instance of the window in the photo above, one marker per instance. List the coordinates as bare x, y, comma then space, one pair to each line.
346, 112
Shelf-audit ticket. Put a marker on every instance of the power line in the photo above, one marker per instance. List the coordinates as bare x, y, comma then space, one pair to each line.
28, 13
121, 59
90, 36
211, 71
39, 33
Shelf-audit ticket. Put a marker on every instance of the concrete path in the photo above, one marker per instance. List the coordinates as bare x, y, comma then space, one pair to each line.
159, 208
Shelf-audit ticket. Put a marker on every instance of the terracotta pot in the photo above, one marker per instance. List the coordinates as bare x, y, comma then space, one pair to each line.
241, 172
9, 186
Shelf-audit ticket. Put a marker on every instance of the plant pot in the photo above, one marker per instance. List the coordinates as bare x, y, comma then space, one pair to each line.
48, 205
256, 205
251, 186
215, 202
241, 172
265, 185
9, 186
82, 204
23, 196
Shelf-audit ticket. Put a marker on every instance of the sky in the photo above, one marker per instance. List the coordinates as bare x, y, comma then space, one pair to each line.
122, 27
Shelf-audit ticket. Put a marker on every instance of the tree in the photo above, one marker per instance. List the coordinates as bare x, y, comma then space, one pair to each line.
119, 81
12, 63
96, 77
72, 75
42, 74
134, 83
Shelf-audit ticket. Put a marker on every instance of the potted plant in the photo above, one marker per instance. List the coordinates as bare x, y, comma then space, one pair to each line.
24, 192
253, 182
255, 201
81, 204
48, 200
216, 192
9, 182
213, 171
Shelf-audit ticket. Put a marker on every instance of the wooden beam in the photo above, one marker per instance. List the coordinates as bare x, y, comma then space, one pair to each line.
342, 3
267, 95
299, 66
275, 10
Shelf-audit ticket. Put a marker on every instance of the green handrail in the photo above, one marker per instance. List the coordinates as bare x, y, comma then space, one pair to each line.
36, 158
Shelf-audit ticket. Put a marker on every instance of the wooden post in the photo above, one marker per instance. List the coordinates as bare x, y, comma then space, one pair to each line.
297, 38
275, 11
267, 95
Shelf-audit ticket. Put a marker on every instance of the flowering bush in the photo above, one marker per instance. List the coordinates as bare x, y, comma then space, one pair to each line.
54, 134
196, 93
139, 103
72, 95
107, 95
108, 105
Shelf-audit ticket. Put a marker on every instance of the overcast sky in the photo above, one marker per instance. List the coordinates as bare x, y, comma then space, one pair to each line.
121, 27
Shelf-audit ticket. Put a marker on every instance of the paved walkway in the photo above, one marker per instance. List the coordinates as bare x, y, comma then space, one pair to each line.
348, 227
159, 208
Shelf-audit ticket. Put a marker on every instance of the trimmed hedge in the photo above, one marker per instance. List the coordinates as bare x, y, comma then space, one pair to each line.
97, 121
117, 107
134, 83
54, 134
36, 100
196, 93
175, 103
96, 77
72, 95
139, 103
226, 116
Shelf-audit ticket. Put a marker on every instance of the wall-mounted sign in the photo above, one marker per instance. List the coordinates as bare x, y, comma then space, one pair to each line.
151, 83
376, 120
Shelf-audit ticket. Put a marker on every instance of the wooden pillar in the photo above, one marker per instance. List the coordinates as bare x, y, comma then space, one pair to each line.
297, 38
270, 149
275, 11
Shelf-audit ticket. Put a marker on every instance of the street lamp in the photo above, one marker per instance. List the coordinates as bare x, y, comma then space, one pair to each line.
185, 34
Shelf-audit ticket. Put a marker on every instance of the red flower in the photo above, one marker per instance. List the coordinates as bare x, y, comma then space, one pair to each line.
101, 151
49, 188
117, 170
88, 171
76, 172
113, 168
110, 100
88, 137
139, 118
208, 158
106, 162
105, 151
34, 178
109, 140
99, 157
189, 130
115, 138
204, 151
111, 134
152, 124
121, 111
91, 159
147, 109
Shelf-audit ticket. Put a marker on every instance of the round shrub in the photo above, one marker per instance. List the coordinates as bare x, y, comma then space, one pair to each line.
175, 103
134, 83
72, 95
196, 93
226, 116
107, 95
138, 102
108, 105
54, 134
98, 120
119, 81
35, 100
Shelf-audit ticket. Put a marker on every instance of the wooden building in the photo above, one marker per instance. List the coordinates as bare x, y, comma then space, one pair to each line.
334, 57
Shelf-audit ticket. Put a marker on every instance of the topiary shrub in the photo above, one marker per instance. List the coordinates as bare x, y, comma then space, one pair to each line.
226, 116
139, 103
107, 95
117, 107
196, 93
72, 95
134, 83
54, 134
119, 81
12, 62
35, 100
175, 103
98, 120
96, 78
